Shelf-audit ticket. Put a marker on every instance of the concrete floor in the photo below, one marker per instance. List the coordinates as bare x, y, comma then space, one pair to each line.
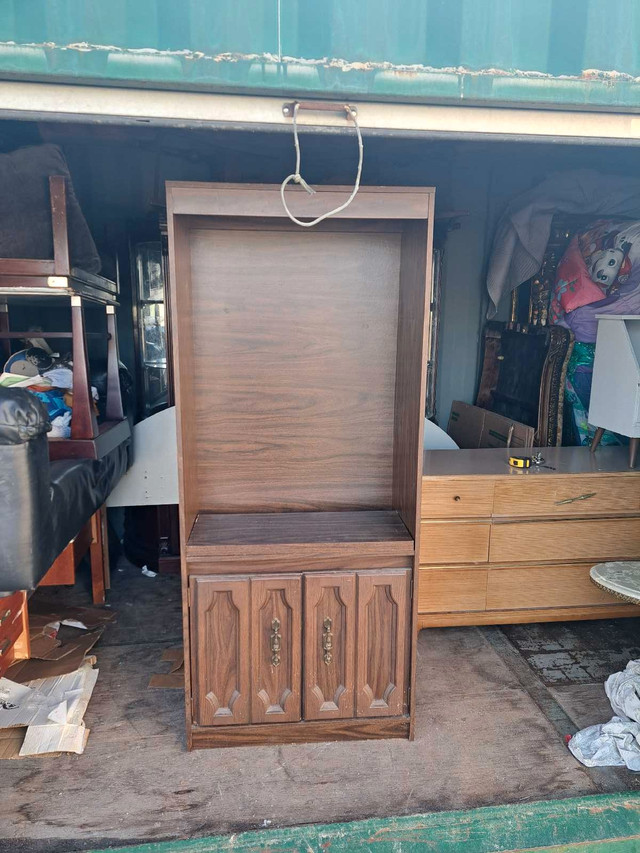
490, 726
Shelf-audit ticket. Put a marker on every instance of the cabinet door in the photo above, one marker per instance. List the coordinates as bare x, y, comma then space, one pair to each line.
220, 650
276, 638
329, 645
383, 631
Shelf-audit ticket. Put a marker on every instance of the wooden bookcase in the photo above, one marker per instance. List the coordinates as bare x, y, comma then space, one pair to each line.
300, 359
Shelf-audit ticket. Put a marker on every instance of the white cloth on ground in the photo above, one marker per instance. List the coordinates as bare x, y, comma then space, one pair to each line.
623, 691
612, 744
616, 743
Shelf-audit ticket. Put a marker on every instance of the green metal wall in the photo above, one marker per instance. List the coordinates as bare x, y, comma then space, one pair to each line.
556, 52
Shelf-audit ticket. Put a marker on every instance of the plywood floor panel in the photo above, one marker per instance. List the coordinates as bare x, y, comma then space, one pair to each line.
481, 739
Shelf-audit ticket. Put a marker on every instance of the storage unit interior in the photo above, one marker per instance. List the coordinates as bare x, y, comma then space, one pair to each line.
119, 175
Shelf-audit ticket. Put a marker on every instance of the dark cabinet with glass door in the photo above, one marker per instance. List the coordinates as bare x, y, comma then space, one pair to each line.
151, 330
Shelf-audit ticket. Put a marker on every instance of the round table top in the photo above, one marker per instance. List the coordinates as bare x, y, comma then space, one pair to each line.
621, 579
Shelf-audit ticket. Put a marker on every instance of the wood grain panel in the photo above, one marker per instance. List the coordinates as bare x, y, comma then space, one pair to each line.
383, 633
541, 541
220, 650
457, 542
294, 365
445, 590
469, 497
329, 646
198, 199
303, 732
576, 496
518, 617
276, 640
234, 565
544, 586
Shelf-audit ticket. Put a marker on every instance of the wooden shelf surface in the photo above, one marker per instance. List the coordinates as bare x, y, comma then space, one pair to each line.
296, 534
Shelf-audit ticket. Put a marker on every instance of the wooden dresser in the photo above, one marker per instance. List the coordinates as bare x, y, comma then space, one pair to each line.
499, 545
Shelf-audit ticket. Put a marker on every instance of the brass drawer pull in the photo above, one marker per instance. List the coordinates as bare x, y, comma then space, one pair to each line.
327, 641
4, 616
578, 498
276, 642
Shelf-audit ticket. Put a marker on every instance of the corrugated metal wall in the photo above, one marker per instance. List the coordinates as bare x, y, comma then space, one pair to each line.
558, 52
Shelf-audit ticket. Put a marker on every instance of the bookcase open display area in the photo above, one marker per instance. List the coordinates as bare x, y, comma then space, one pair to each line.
300, 358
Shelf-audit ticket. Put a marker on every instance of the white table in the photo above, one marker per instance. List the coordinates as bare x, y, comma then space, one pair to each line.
621, 579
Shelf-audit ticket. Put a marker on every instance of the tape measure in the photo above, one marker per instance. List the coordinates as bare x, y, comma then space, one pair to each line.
529, 461
520, 461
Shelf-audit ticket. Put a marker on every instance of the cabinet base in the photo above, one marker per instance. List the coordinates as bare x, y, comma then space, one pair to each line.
303, 732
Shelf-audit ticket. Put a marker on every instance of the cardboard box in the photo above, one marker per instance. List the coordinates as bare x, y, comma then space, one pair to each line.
472, 427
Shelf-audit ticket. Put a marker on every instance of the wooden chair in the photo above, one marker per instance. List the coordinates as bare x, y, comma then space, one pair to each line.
57, 278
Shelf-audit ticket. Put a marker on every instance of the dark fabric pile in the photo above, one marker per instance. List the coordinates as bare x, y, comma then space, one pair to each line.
25, 209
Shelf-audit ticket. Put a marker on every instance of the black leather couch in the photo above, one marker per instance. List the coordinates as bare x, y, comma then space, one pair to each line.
43, 504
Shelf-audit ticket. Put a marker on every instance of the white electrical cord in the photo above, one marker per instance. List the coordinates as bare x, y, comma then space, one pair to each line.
297, 178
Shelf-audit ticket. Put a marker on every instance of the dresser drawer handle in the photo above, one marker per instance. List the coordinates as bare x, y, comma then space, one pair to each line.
578, 498
4, 647
456, 497
4, 616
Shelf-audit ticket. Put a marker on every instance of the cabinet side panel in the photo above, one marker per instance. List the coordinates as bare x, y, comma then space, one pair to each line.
415, 283
416, 278
179, 282
183, 367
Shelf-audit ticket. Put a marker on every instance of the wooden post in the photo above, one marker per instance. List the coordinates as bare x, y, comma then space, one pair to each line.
83, 420
114, 410
4, 327
99, 556
597, 439
58, 196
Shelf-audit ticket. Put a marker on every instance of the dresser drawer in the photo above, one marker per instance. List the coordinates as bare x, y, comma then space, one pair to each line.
567, 540
522, 587
576, 496
454, 542
451, 590
470, 497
